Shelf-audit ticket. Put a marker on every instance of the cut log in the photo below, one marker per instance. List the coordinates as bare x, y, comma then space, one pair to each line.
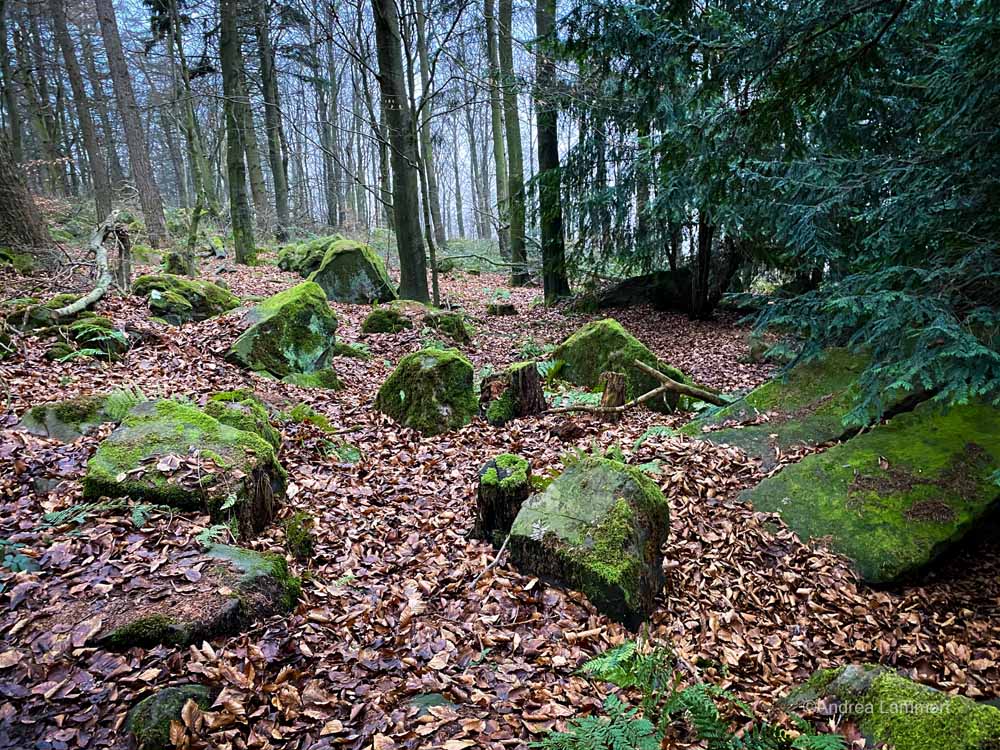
504, 484
613, 384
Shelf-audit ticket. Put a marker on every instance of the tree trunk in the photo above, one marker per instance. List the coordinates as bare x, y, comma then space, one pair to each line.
21, 225
497, 129
251, 148
404, 155
9, 91
100, 103
700, 305
277, 154
98, 166
459, 209
239, 205
515, 166
550, 215
426, 109
142, 170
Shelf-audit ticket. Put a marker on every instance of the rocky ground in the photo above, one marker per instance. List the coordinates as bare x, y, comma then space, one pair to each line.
390, 619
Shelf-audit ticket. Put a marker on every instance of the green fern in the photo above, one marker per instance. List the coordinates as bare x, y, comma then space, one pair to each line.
620, 729
120, 401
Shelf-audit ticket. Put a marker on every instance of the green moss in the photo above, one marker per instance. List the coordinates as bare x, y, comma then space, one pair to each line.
355, 351
431, 391
178, 299
320, 379
352, 271
246, 414
293, 331
149, 721
897, 497
261, 569
513, 468
385, 320
146, 632
299, 535
451, 324
604, 345
66, 420
305, 414
501, 410
22, 263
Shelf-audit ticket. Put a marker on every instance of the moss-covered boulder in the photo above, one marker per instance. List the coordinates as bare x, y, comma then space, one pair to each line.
387, 319
66, 420
352, 272
605, 345
805, 408
431, 391
500, 309
326, 379
22, 263
30, 313
178, 300
242, 410
293, 331
893, 711
173, 454
304, 258
237, 587
895, 498
598, 529
149, 720
451, 324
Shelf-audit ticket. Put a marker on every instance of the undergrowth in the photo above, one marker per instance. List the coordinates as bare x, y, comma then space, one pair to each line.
664, 704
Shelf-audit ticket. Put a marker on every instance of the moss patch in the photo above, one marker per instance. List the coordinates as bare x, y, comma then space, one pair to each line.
299, 539
385, 320
66, 420
238, 478
597, 528
605, 345
245, 413
353, 272
452, 324
431, 391
149, 720
292, 332
895, 498
178, 300
320, 379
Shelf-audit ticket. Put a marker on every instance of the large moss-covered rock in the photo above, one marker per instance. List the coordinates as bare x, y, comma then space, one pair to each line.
306, 257
174, 454
597, 528
242, 410
66, 420
293, 331
237, 587
431, 391
149, 720
805, 408
450, 323
326, 379
603, 346
386, 319
895, 498
178, 300
893, 711
352, 272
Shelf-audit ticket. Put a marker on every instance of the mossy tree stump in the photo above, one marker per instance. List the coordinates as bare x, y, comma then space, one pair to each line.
504, 484
613, 394
517, 392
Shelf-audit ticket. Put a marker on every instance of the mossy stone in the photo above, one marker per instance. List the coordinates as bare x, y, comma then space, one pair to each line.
807, 407
897, 712
299, 538
452, 324
603, 346
431, 391
325, 378
500, 308
66, 420
385, 320
179, 300
293, 331
306, 257
597, 528
246, 414
149, 720
895, 498
353, 272
258, 584
244, 488
22, 263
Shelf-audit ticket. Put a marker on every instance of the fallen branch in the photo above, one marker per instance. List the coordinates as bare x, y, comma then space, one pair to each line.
104, 275
668, 385
493, 564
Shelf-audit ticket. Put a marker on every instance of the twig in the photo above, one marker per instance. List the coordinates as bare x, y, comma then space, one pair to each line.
493, 564
104, 275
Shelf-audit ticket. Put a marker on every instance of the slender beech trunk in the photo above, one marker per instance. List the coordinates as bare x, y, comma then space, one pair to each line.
9, 90
100, 104
550, 216
515, 166
426, 110
277, 154
458, 180
255, 171
404, 157
239, 205
98, 166
497, 129
142, 170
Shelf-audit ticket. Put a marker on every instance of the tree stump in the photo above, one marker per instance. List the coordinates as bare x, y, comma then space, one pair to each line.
614, 393
504, 483
517, 392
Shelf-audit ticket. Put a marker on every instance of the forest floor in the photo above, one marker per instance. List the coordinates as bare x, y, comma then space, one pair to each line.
389, 610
